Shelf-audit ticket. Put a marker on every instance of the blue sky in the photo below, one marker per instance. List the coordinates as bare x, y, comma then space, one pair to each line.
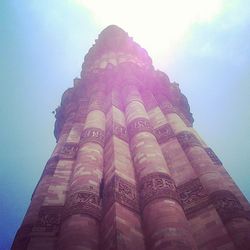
42, 47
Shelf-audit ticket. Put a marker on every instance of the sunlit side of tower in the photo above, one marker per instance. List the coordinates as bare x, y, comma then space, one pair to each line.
129, 171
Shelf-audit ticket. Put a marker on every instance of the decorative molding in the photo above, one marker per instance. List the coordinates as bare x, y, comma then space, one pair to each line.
68, 151
83, 202
139, 125
187, 139
166, 106
117, 130
156, 186
95, 135
227, 205
49, 220
121, 191
193, 197
164, 133
213, 156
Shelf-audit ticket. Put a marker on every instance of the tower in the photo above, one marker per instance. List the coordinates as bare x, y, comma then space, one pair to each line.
129, 171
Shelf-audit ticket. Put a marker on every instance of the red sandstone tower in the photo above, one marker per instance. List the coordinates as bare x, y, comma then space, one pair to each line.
128, 170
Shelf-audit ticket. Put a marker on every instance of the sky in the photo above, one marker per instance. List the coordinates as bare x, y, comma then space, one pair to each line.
202, 45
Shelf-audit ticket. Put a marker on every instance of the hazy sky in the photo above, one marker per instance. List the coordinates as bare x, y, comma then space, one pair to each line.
202, 45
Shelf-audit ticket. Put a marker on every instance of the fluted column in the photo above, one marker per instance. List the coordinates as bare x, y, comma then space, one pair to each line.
219, 188
193, 195
121, 223
42, 219
165, 225
82, 212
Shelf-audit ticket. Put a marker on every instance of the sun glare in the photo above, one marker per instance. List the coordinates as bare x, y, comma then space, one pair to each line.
158, 25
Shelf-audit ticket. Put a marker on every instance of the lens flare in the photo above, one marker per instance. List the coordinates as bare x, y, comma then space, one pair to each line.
158, 25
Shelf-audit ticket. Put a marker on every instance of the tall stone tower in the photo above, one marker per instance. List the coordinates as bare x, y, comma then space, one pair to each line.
129, 171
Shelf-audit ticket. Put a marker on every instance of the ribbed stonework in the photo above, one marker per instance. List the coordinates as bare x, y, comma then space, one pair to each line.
129, 171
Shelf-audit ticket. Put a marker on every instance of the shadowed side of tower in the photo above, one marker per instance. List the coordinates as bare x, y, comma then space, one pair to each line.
129, 171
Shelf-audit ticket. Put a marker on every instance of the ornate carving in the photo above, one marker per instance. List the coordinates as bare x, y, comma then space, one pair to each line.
95, 135
166, 106
139, 125
227, 205
117, 130
213, 156
193, 197
187, 139
122, 191
49, 219
156, 186
68, 150
83, 202
164, 133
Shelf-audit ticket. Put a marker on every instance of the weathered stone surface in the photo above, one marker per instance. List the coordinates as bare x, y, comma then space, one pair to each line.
213, 156
50, 166
139, 125
68, 151
117, 130
120, 190
156, 186
227, 205
163, 133
187, 139
95, 135
193, 197
83, 202
48, 221
128, 170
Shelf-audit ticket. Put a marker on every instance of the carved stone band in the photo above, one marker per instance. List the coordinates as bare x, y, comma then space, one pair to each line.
83, 202
213, 156
164, 133
49, 220
193, 197
122, 191
156, 186
139, 125
117, 130
187, 139
227, 205
68, 151
95, 135
167, 107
